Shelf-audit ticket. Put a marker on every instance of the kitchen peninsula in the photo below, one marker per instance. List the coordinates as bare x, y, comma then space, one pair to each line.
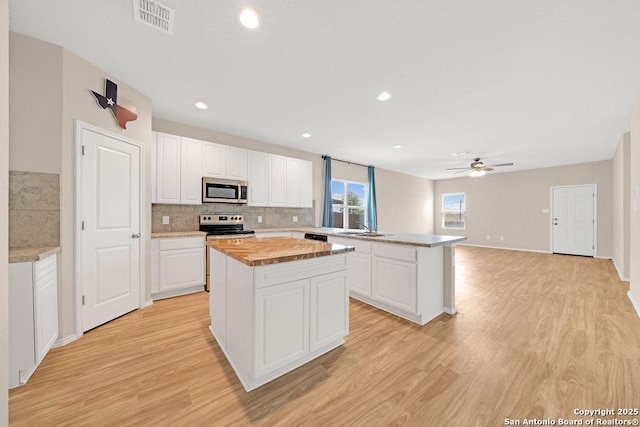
277, 303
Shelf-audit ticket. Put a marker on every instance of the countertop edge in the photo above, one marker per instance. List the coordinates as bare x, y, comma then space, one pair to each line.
18, 255
282, 258
172, 234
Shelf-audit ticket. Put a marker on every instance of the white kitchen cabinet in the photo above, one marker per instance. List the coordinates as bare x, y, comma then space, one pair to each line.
293, 183
214, 160
191, 172
178, 170
277, 180
306, 184
277, 317
394, 283
177, 266
359, 274
281, 325
168, 169
258, 178
329, 310
237, 163
33, 316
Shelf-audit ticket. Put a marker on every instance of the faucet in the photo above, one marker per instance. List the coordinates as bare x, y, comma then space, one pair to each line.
366, 227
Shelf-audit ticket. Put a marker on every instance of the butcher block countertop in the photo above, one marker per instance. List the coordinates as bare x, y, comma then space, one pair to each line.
177, 234
273, 250
31, 254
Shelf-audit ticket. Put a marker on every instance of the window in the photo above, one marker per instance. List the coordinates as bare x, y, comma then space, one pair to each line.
453, 210
348, 203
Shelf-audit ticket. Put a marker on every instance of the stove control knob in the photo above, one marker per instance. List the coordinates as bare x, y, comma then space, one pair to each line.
209, 218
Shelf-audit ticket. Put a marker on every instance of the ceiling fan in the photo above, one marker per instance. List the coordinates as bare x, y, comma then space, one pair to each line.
478, 168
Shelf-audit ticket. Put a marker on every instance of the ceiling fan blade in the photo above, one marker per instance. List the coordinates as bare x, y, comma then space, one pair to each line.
466, 169
487, 169
454, 169
499, 164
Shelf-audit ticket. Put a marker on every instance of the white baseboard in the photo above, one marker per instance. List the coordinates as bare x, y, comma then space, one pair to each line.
615, 264
62, 341
506, 249
634, 302
147, 303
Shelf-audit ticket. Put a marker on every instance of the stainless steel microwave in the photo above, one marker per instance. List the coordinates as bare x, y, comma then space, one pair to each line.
216, 190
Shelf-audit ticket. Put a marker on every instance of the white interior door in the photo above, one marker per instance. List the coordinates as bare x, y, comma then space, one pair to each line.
573, 220
110, 243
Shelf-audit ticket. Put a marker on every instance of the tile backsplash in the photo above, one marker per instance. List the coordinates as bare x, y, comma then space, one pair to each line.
34, 209
185, 217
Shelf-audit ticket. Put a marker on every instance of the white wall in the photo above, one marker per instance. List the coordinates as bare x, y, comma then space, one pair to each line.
510, 205
4, 212
621, 196
44, 137
634, 265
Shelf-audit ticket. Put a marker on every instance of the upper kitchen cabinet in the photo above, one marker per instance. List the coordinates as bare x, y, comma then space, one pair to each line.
167, 168
191, 172
236, 163
178, 170
221, 161
279, 181
214, 160
299, 183
258, 178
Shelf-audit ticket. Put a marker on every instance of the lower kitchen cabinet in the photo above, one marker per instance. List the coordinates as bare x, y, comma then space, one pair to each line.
178, 266
33, 316
359, 275
282, 325
394, 283
271, 319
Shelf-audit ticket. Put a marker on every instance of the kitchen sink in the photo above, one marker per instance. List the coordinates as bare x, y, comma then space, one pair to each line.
362, 233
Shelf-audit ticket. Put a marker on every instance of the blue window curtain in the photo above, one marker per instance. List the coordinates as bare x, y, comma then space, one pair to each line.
372, 210
327, 211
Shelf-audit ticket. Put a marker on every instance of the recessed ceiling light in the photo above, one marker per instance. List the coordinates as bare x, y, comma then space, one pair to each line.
201, 105
249, 19
460, 153
306, 135
397, 146
384, 96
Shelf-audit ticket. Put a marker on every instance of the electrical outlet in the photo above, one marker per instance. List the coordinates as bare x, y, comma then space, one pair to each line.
165, 220
295, 218
545, 210
259, 218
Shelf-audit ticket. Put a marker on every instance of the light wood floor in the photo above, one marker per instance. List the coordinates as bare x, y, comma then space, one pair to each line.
536, 336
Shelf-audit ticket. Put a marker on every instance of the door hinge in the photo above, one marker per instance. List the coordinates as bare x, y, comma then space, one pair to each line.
83, 150
82, 299
83, 225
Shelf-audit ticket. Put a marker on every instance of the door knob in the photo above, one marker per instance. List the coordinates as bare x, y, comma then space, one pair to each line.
135, 236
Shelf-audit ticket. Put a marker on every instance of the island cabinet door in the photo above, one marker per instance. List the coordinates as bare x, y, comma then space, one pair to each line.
394, 283
359, 276
329, 320
281, 325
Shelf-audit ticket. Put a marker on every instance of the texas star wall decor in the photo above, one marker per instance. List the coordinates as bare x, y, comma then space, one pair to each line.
123, 111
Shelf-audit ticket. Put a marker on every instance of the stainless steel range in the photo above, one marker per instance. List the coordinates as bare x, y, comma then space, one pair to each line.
220, 226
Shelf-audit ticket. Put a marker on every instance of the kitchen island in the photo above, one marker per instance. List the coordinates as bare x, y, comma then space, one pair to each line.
409, 275
277, 303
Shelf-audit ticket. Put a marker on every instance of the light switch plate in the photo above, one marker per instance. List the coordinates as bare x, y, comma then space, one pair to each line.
295, 218
259, 218
545, 210
165, 220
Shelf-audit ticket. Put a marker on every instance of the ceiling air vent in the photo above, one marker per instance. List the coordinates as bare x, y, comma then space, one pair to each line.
154, 14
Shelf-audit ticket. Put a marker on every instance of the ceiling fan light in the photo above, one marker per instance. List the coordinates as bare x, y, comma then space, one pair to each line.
476, 173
